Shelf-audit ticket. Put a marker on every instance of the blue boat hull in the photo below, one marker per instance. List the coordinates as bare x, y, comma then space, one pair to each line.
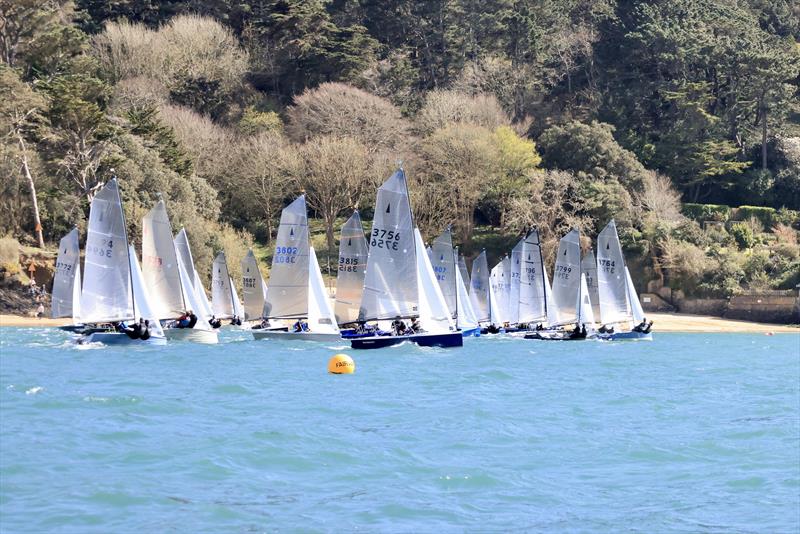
472, 332
627, 336
451, 339
116, 338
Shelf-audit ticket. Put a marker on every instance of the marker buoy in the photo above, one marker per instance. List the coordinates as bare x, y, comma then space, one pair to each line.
341, 364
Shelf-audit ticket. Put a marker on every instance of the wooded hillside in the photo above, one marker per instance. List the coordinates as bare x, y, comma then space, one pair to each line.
506, 114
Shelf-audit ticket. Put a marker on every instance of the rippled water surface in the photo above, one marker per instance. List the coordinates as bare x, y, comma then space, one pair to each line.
693, 433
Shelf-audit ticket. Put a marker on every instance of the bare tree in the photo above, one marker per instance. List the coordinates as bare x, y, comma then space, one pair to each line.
443, 108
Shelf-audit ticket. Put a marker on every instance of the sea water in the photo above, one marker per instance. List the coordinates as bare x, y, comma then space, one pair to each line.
687, 433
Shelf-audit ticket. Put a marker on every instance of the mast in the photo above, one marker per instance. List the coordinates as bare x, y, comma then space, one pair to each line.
455, 279
413, 225
580, 277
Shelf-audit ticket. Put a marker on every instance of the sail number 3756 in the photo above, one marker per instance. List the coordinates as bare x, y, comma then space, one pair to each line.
388, 239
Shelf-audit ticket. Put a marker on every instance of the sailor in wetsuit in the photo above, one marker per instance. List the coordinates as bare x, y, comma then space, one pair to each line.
398, 326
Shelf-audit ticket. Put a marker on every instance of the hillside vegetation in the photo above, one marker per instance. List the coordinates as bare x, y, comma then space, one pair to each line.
679, 119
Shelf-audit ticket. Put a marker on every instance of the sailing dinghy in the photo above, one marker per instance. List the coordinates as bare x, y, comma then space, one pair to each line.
168, 280
181, 242
114, 290
352, 266
619, 303
400, 282
296, 290
253, 288
66, 301
445, 266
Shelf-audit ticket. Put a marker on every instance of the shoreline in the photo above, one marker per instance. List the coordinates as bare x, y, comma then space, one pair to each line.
663, 322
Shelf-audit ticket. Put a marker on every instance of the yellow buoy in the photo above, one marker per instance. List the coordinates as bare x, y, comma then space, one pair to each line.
341, 364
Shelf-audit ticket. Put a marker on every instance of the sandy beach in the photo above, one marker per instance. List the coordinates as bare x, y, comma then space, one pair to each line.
663, 322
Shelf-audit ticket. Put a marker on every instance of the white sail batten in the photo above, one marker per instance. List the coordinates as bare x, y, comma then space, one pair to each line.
434, 314
66, 285
390, 283
321, 317
353, 253
465, 315
589, 268
611, 284
252, 290
106, 294
221, 295
567, 277
532, 297
287, 294
637, 312
479, 287
142, 301
444, 267
160, 264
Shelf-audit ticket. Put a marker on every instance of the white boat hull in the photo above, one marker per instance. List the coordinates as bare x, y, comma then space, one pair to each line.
295, 336
192, 335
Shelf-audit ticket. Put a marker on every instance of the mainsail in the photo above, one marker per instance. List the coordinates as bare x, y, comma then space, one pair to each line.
444, 266
462, 266
221, 295
160, 264
67, 282
479, 287
611, 284
252, 291
589, 268
532, 301
107, 294
501, 288
287, 295
515, 271
567, 277
390, 283
353, 254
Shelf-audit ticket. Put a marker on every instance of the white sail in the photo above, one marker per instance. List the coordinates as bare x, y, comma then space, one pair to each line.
142, 301
434, 315
67, 278
444, 267
636, 307
321, 317
106, 294
514, 282
584, 305
500, 291
181, 242
462, 266
611, 284
496, 316
194, 302
221, 295
532, 292
552, 309
589, 268
567, 277
160, 264
252, 290
479, 287
353, 255
287, 294
238, 309
202, 296
465, 315
390, 283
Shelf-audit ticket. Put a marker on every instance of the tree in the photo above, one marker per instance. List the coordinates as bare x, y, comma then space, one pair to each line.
20, 111
334, 172
443, 108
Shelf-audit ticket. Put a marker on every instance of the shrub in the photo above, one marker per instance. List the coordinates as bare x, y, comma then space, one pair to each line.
9, 252
707, 212
743, 235
763, 214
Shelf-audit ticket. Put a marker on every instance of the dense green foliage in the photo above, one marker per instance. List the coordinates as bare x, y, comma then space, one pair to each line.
506, 113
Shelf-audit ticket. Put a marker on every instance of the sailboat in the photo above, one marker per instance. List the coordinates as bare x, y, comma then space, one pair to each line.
113, 289
567, 279
535, 303
296, 290
445, 267
400, 282
584, 322
254, 291
66, 301
589, 268
225, 302
168, 281
353, 254
479, 288
619, 303
181, 242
